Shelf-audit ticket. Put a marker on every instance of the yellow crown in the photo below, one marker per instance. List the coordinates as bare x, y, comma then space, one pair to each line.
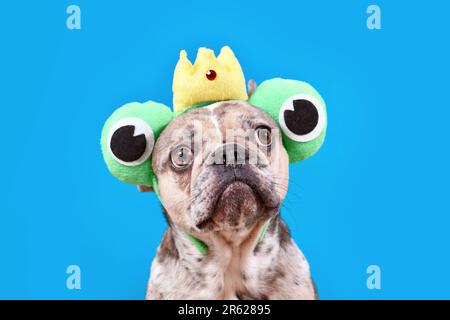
209, 79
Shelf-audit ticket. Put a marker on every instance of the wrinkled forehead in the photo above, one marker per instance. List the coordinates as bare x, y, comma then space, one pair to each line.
215, 119
239, 115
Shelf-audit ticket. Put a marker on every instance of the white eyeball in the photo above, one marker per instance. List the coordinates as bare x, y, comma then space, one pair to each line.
131, 141
302, 117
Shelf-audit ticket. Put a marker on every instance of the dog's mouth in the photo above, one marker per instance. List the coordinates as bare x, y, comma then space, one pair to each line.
237, 203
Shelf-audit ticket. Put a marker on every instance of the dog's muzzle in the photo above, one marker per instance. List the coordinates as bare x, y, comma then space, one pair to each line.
240, 192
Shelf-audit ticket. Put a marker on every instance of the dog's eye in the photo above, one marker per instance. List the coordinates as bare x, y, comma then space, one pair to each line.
182, 157
264, 136
130, 141
302, 117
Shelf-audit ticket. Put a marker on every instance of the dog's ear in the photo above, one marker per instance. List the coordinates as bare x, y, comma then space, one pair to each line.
251, 87
300, 112
128, 138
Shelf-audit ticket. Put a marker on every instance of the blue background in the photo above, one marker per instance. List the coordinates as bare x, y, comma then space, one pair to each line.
376, 193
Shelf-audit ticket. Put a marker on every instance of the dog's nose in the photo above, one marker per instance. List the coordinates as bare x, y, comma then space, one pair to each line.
230, 154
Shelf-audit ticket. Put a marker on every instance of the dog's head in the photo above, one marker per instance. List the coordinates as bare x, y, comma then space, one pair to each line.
221, 167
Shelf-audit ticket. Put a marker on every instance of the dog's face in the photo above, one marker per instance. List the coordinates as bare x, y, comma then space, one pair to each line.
221, 167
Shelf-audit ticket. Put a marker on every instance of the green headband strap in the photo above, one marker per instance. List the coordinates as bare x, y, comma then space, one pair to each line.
203, 247
199, 244
155, 188
197, 105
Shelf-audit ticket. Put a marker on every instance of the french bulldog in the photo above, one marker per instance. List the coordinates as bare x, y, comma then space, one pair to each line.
222, 175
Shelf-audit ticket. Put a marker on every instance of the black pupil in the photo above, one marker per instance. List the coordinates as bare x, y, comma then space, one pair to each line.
303, 119
126, 146
181, 156
264, 136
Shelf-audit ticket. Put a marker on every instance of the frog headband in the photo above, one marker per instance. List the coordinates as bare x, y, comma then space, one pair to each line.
130, 133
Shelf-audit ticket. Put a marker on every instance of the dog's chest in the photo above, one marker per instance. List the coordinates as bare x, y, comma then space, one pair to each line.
225, 272
235, 272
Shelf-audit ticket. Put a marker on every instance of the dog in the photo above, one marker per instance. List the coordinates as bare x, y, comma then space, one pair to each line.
214, 194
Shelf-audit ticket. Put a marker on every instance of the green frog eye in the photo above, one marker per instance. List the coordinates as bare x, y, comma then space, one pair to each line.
131, 141
302, 117
128, 138
300, 112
